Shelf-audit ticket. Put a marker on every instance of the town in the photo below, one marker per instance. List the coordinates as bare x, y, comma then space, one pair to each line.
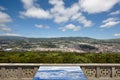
64, 44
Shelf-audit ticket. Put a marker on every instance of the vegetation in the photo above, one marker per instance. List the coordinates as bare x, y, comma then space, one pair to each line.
58, 57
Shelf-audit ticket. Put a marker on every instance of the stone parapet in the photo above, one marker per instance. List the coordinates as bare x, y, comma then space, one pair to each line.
26, 71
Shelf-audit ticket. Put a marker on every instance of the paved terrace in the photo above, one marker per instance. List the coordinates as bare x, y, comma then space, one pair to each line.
15, 71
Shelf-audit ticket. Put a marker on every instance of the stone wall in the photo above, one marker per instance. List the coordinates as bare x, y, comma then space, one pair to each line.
102, 71
27, 71
17, 72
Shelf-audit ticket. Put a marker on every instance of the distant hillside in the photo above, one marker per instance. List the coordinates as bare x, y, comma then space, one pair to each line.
81, 39
113, 40
11, 38
75, 44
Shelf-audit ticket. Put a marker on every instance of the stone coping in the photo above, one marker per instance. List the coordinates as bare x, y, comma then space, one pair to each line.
65, 64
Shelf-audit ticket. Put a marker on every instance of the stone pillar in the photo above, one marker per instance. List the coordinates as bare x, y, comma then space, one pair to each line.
113, 72
97, 71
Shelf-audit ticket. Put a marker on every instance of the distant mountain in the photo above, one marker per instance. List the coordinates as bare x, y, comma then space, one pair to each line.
11, 38
81, 39
113, 40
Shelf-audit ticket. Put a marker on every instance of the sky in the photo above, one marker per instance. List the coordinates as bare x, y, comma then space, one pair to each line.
98, 19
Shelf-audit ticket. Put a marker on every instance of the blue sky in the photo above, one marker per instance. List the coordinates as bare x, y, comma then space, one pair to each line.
60, 18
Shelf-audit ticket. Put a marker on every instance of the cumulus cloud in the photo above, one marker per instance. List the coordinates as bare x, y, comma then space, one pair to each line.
33, 11
62, 14
115, 13
110, 19
117, 34
97, 6
58, 13
110, 22
4, 18
70, 27
82, 19
41, 26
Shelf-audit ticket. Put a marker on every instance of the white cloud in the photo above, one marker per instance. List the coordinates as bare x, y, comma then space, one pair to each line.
4, 17
70, 27
58, 13
97, 6
83, 20
110, 19
32, 10
28, 3
10, 34
117, 34
35, 13
110, 22
62, 14
115, 13
41, 26
4, 28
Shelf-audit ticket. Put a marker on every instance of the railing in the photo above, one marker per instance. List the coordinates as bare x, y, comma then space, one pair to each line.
27, 71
